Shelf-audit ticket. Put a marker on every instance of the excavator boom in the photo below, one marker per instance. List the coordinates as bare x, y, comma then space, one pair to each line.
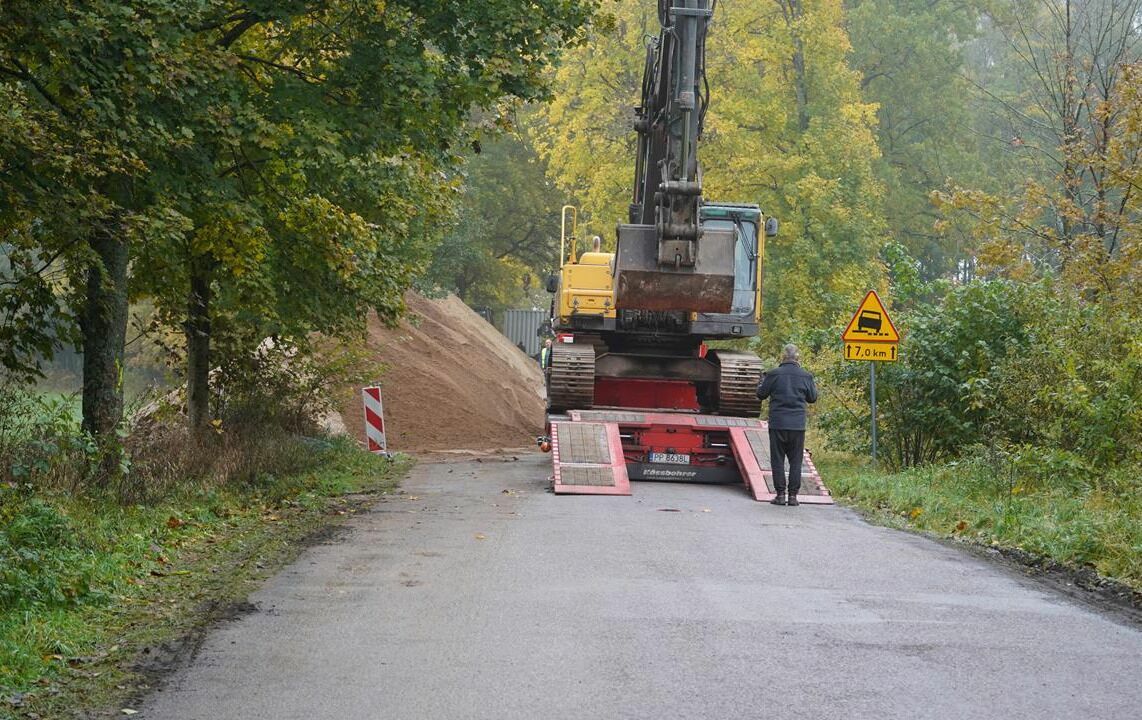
667, 260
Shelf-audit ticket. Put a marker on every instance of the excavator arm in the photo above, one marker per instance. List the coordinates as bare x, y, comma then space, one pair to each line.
668, 121
666, 259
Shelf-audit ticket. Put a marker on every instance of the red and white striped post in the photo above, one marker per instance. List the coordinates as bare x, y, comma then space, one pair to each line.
374, 420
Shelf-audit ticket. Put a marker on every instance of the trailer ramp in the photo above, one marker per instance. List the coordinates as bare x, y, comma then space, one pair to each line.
588, 459
751, 450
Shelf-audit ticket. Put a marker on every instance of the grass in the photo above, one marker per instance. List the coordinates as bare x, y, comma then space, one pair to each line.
88, 586
1059, 513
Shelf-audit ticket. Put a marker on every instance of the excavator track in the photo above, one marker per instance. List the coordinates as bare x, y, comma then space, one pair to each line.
571, 377
737, 388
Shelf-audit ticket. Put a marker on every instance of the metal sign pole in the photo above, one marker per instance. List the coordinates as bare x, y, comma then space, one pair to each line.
872, 391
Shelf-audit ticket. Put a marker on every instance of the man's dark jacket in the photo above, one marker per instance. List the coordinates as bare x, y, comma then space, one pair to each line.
789, 388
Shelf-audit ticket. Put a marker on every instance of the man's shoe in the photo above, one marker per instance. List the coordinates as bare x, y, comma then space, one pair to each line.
792, 500
778, 499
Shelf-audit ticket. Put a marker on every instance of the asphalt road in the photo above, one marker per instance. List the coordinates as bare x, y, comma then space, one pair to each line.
480, 595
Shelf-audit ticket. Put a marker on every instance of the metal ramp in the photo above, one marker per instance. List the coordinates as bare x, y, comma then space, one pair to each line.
588, 459
751, 450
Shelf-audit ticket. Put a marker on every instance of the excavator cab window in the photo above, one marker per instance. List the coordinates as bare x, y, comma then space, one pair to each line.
745, 261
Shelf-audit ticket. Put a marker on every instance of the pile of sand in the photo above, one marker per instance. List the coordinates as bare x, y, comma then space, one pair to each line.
452, 381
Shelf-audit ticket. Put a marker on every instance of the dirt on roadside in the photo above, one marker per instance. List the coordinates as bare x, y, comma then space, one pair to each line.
451, 382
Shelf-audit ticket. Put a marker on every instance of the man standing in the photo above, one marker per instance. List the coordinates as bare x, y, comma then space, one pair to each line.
789, 389
545, 355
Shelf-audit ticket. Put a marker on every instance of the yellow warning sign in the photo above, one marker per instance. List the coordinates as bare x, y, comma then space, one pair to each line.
870, 323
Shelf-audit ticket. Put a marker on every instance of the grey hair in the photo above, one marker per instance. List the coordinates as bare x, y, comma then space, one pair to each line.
790, 353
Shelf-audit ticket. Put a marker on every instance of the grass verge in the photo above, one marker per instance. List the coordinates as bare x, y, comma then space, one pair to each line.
1075, 521
96, 597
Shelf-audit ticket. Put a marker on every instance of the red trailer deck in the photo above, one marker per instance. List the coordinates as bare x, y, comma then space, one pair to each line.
599, 452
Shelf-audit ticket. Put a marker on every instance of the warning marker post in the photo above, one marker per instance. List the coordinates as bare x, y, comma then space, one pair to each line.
375, 441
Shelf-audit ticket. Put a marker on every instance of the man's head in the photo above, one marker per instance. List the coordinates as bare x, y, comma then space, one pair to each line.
547, 342
790, 353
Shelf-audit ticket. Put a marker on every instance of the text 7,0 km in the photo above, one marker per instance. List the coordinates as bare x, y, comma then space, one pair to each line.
882, 352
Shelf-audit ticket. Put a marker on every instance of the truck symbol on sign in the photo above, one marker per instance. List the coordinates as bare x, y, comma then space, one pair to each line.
869, 321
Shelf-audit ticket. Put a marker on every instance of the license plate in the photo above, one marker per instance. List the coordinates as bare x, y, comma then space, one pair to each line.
671, 458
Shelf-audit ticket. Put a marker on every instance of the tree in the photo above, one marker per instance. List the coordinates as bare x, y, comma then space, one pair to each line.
911, 57
264, 168
95, 86
506, 240
1065, 100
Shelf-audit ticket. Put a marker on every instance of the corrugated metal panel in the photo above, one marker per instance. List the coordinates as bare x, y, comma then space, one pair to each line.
520, 326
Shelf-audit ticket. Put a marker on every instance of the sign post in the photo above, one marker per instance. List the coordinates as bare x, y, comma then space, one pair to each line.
872, 393
871, 337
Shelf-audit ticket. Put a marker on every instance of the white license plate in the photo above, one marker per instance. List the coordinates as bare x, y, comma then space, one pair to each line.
672, 458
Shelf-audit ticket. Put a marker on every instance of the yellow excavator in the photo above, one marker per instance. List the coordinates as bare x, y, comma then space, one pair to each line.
633, 324
621, 357
633, 389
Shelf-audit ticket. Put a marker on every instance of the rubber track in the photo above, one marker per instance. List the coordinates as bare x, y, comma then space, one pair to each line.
737, 388
571, 379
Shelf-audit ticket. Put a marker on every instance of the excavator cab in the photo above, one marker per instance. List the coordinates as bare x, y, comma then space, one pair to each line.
744, 222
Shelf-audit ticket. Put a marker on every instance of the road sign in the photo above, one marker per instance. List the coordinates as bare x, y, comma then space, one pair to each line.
871, 351
870, 336
870, 324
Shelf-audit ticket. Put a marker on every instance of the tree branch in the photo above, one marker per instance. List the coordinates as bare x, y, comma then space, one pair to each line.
22, 73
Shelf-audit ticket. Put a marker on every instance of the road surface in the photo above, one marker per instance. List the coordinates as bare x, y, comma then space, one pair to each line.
480, 595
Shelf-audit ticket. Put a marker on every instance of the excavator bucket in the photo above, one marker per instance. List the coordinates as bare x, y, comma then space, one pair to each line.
642, 282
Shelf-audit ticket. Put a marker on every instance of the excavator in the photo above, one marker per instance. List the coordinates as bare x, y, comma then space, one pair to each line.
633, 389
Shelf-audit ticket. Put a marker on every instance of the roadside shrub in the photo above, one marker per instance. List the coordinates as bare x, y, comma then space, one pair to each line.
42, 559
1077, 384
940, 397
40, 440
1049, 376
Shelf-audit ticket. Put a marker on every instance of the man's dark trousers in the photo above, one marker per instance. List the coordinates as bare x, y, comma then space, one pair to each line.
786, 444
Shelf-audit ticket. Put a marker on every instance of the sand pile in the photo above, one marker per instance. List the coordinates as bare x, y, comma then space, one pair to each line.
452, 381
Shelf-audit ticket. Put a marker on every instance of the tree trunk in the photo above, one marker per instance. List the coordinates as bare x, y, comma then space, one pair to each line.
800, 79
198, 346
103, 323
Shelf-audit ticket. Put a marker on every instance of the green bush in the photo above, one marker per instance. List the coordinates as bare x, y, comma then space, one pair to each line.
40, 440
940, 397
1025, 367
43, 561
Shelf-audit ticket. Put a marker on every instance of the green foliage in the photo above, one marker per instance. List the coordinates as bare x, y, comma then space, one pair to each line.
911, 57
941, 397
1077, 384
83, 576
506, 239
1003, 364
288, 166
1046, 503
40, 440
